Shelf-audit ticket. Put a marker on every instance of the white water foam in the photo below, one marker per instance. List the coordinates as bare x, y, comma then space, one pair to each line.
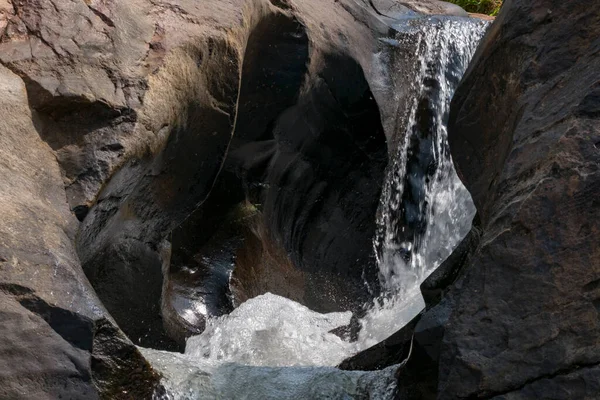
273, 331
445, 47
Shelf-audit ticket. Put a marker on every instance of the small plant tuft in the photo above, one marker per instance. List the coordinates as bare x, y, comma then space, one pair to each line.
489, 7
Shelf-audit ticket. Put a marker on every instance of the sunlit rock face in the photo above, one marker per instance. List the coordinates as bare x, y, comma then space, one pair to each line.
52, 323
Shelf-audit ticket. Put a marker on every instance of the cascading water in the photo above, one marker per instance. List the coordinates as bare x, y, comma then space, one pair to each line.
425, 210
273, 348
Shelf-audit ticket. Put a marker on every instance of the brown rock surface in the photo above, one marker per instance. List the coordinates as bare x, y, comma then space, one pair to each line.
57, 339
150, 93
391, 8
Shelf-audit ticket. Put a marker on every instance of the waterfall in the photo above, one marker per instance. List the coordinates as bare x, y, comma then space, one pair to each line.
271, 347
425, 210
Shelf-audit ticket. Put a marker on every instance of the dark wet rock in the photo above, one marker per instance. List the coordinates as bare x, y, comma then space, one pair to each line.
315, 173
418, 377
430, 329
118, 367
524, 134
324, 183
197, 279
391, 351
438, 283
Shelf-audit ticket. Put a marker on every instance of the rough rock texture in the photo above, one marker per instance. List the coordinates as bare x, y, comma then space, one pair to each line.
582, 383
525, 137
141, 117
324, 183
435, 287
57, 339
81, 63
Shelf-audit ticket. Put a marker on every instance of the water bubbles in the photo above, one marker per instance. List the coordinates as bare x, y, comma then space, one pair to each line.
273, 331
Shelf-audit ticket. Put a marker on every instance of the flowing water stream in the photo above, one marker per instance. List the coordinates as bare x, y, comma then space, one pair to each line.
273, 348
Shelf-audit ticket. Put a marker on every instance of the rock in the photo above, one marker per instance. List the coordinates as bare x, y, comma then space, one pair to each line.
394, 8
429, 330
437, 284
80, 64
58, 340
525, 140
324, 184
484, 17
582, 383
152, 194
391, 351
131, 117
192, 108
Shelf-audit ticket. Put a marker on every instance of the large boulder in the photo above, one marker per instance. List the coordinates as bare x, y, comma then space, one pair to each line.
58, 341
525, 137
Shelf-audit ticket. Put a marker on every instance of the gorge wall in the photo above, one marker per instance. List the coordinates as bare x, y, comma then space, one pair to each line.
121, 117
194, 140
523, 320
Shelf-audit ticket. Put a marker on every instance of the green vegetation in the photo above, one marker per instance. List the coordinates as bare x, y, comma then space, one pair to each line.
490, 7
